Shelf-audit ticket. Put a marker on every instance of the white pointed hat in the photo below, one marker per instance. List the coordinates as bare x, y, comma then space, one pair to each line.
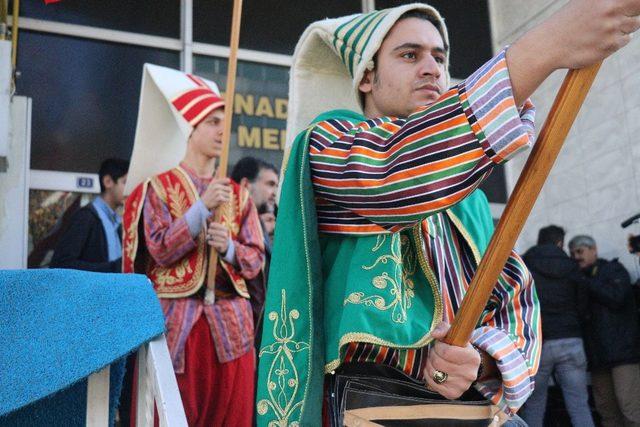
172, 103
330, 60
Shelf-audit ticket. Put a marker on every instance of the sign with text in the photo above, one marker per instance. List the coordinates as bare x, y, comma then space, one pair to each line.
258, 137
260, 107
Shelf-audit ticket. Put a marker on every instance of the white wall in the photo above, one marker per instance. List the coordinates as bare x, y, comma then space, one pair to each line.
5, 93
15, 119
14, 188
595, 183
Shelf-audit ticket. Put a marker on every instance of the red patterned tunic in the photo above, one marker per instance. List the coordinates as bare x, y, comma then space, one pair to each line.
178, 258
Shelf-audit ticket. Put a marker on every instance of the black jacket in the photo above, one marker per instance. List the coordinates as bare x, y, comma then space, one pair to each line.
562, 301
83, 246
611, 337
258, 290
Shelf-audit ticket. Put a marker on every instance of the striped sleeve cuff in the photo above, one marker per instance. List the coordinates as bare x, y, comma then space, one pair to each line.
517, 380
487, 98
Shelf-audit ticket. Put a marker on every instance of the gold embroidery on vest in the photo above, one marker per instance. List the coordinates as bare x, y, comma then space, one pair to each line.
130, 223
400, 285
164, 276
132, 233
229, 215
177, 201
437, 314
159, 188
283, 380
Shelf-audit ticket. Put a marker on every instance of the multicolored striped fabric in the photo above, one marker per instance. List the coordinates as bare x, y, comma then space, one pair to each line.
409, 360
230, 321
509, 330
388, 173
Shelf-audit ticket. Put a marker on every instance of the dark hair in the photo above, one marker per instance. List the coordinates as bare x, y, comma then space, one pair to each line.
266, 208
249, 167
421, 14
115, 168
550, 235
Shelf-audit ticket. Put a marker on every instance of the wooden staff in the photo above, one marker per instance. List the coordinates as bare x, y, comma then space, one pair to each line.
565, 108
226, 135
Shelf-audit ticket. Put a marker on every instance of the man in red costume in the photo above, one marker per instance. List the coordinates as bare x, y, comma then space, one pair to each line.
168, 232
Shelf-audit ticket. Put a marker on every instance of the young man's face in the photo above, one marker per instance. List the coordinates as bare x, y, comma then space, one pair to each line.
206, 138
114, 190
264, 188
410, 70
585, 255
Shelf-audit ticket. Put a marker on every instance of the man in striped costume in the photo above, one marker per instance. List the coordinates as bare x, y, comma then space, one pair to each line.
381, 225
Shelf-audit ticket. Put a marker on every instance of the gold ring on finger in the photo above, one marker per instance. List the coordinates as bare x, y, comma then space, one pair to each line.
439, 377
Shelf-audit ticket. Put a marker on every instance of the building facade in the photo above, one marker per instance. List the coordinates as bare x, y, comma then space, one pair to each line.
80, 62
595, 182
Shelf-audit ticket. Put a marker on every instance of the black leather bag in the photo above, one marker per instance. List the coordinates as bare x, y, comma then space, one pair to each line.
367, 394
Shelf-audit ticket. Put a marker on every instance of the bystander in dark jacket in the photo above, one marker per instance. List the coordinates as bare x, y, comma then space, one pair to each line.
93, 241
261, 179
562, 301
612, 335
83, 246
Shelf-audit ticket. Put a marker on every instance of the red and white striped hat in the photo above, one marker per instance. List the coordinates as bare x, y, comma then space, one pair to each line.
194, 104
172, 103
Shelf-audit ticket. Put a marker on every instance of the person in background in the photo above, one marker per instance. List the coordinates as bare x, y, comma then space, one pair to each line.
268, 215
611, 335
633, 244
261, 180
93, 240
259, 177
562, 305
170, 215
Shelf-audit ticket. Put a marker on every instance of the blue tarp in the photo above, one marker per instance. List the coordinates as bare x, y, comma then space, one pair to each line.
59, 326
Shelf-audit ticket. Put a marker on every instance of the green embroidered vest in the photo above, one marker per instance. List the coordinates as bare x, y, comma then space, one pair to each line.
325, 291
379, 292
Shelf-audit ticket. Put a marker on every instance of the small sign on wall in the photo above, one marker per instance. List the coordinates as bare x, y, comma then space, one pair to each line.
84, 182
64, 181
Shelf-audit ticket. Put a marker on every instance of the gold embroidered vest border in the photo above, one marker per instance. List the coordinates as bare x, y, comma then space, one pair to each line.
185, 277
